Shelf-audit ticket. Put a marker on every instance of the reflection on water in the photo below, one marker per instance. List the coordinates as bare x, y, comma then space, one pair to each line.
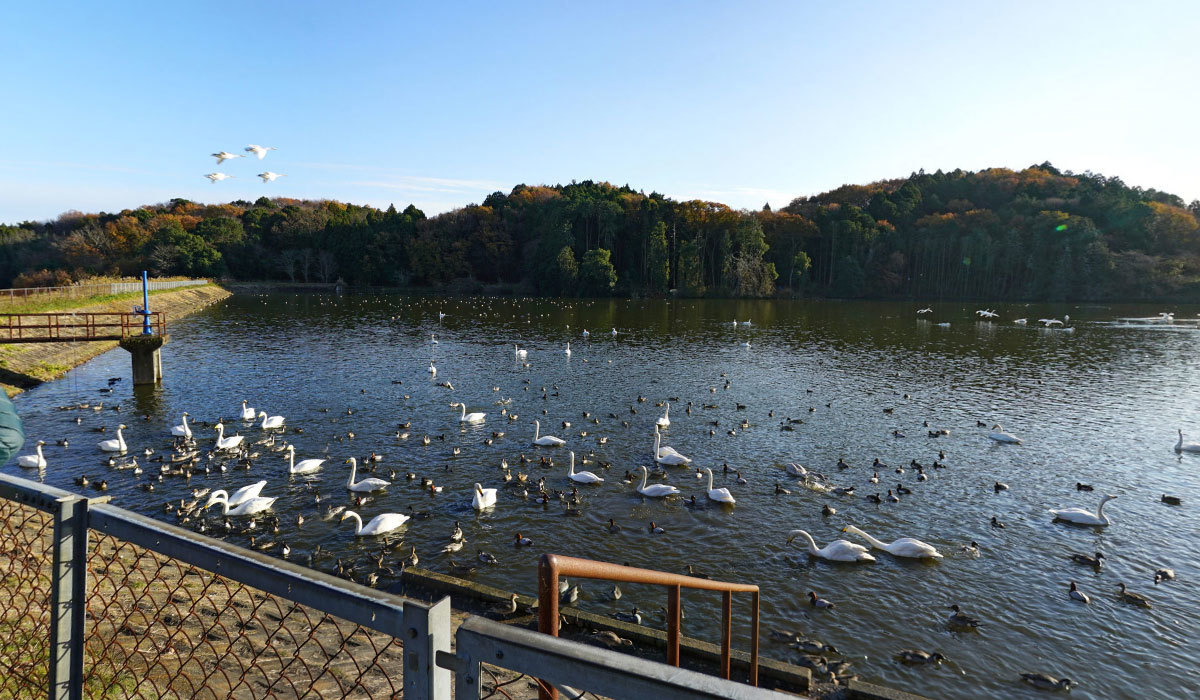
1098, 405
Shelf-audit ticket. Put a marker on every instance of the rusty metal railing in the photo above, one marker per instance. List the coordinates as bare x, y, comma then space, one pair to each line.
551, 566
65, 327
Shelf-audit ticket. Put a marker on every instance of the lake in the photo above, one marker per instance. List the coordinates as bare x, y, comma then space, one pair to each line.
1098, 405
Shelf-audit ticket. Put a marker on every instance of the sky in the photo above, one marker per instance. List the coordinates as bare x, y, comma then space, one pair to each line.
106, 106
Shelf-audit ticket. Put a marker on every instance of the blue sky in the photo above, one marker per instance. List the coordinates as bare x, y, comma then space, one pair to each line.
112, 105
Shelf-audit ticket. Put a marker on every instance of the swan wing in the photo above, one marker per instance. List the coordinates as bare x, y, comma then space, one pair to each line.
308, 465
909, 547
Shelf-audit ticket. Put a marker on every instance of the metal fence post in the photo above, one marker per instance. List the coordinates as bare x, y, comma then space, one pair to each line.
426, 632
68, 596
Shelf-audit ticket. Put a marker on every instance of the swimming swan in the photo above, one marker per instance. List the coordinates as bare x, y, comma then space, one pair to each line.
223, 443
483, 498
667, 455
655, 490
903, 547
366, 485
380, 525
250, 506
182, 430
721, 495
270, 423
241, 495
838, 550
35, 461
305, 466
545, 440
469, 417
117, 445
1182, 446
665, 421
999, 435
581, 477
1080, 516
247, 412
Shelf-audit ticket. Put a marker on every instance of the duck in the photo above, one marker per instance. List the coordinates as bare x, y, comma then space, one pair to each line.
1075, 594
838, 550
916, 657
1079, 516
1171, 500
1163, 575
996, 523
815, 601
584, 477
655, 490
903, 547
483, 498
1094, 562
366, 485
379, 525
1046, 682
960, 619
521, 540
720, 495
36, 460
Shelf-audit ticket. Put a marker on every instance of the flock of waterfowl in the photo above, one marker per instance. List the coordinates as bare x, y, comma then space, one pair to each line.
197, 449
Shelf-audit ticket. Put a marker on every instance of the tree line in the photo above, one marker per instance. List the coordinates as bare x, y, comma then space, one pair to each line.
1033, 234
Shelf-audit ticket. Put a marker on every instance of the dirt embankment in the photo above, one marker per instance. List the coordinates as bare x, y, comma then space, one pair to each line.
25, 365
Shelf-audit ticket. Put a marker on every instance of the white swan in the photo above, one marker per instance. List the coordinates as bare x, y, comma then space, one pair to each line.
247, 412
665, 421
545, 440
796, 469
368, 484
214, 178
903, 547
269, 176
1080, 516
1182, 446
655, 490
483, 498
182, 430
838, 550
260, 151
432, 369
519, 353
270, 422
721, 495
926, 310
227, 443
581, 477
999, 435
116, 445
34, 461
241, 495
433, 339
304, 466
469, 417
667, 455
380, 525
224, 156
585, 333
614, 332
250, 506
567, 352
1021, 321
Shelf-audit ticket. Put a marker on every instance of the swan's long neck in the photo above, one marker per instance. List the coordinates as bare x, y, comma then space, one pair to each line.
353, 467
667, 413
537, 429
874, 542
571, 470
39, 454
1100, 510
645, 475
1179, 445
657, 448
812, 544
291, 459
709, 479
120, 439
463, 406
357, 521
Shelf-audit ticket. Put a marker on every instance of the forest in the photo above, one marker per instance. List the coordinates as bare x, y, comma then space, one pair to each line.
995, 234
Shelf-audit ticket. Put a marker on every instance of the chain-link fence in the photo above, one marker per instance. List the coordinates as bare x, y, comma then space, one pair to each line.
25, 578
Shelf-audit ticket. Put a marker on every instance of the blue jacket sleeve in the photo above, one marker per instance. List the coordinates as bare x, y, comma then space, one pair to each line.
12, 433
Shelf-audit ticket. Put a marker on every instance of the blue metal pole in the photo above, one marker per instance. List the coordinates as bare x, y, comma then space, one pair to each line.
145, 304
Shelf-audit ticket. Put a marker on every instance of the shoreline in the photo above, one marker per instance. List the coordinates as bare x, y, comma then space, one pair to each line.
26, 365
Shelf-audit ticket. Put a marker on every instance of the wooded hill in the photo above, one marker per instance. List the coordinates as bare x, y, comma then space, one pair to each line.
997, 234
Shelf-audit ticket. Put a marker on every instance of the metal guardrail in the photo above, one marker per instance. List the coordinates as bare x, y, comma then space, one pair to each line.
88, 290
551, 566
566, 666
67, 326
136, 607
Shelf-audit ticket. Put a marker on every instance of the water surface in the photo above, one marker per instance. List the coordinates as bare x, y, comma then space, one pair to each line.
1098, 405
